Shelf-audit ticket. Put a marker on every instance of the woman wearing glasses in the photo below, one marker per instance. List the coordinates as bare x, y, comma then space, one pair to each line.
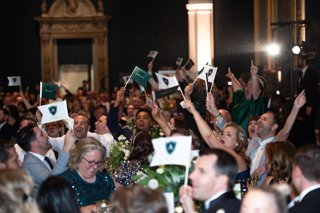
91, 185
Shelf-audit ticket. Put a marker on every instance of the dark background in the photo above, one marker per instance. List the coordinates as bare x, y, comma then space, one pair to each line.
136, 28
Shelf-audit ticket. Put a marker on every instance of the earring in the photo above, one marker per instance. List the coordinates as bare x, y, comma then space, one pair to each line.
236, 145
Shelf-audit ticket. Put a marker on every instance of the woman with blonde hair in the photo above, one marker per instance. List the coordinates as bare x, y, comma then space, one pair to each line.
233, 140
86, 160
17, 194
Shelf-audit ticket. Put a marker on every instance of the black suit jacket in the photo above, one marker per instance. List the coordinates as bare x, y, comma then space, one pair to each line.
310, 203
7, 132
227, 201
310, 85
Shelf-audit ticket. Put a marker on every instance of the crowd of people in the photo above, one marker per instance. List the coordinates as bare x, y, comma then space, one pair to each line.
60, 166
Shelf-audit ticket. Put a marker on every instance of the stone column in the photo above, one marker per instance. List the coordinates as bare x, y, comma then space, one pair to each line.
201, 38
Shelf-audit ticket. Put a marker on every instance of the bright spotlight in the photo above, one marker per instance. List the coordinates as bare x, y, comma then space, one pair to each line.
273, 49
296, 49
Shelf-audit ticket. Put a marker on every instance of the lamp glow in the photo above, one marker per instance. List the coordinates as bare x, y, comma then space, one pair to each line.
296, 50
273, 49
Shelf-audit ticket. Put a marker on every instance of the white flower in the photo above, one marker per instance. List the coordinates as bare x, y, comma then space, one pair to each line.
126, 153
150, 157
123, 146
160, 170
119, 149
126, 142
153, 184
161, 133
124, 158
121, 138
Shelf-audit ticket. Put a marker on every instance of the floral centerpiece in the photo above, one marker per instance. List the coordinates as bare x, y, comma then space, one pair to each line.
168, 178
119, 152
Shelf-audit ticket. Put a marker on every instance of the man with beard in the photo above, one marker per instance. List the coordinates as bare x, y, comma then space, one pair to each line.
143, 119
303, 128
269, 123
34, 141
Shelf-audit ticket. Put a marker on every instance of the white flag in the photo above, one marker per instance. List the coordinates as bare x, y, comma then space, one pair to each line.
54, 112
172, 151
167, 82
211, 73
179, 61
126, 78
153, 54
142, 89
14, 81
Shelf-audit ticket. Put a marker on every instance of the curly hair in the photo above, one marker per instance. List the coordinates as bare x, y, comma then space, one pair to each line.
280, 155
242, 141
142, 147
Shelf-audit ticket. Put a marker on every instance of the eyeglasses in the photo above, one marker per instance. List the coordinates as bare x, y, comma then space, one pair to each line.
92, 163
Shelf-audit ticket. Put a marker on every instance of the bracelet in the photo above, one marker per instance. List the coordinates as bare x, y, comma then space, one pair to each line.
231, 95
217, 115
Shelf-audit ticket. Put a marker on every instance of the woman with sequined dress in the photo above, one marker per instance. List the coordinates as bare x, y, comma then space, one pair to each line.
141, 148
90, 185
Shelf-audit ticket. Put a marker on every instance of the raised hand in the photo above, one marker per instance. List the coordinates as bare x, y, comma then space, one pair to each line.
149, 102
253, 69
189, 106
150, 65
120, 95
210, 103
229, 74
188, 90
300, 100
155, 111
69, 140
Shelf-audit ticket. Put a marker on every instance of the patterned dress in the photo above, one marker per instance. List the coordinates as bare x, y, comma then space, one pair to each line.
89, 193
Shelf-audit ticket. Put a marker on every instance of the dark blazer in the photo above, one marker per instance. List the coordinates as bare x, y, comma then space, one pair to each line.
227, 201
310, 85
7, 132
113, 124
310, 203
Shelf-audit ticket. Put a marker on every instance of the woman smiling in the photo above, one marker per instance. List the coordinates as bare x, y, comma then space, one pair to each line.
91, 185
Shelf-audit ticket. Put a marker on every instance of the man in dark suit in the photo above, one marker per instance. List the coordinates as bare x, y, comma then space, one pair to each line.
306, 179
34, 141
303, 128
212, 182
6, 130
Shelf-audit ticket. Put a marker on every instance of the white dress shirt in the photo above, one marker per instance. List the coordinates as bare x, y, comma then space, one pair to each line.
257, 153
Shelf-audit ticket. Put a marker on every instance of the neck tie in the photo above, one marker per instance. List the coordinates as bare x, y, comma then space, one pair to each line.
49, 162
203, 208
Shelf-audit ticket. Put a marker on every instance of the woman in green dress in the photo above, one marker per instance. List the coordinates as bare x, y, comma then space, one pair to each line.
249, 101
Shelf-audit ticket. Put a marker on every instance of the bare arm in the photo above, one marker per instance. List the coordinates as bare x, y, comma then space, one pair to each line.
255, 81
230, 100
298, 103
235, 83
178, 76
28, 105
204, 129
